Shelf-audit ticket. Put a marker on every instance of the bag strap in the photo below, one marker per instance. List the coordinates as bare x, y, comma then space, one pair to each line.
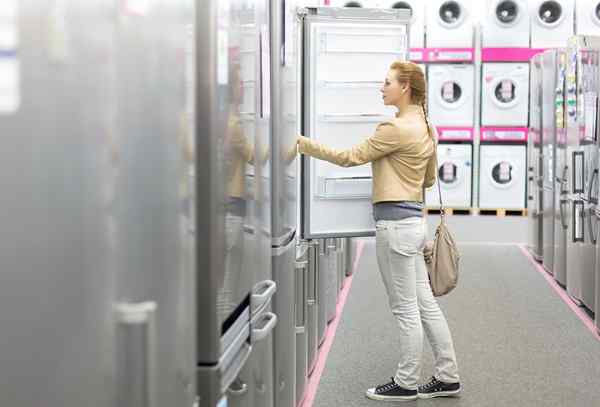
442, 210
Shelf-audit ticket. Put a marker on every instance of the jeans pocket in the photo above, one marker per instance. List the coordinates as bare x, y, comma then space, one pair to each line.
403, 241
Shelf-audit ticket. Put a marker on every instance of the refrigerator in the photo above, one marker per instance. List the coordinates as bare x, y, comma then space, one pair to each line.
347, 53
285, 64
582, 152
231, 178
98, 285
548, 60
554, 98
535, 159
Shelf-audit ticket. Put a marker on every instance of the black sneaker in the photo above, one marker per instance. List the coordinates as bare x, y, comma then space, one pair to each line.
437, 388
391, 392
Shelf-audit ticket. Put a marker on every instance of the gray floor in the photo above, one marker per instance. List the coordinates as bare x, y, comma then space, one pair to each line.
517, 343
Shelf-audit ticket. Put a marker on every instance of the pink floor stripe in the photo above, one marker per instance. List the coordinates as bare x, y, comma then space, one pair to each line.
581, 314
315, 378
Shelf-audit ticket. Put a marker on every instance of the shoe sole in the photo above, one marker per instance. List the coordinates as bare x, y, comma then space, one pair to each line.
453, 393
377, 397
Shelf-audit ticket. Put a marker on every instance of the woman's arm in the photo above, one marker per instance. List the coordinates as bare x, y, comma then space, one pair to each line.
430, 173
387, 139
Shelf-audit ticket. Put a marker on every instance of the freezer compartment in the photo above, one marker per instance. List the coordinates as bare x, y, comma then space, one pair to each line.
575, 239
322, 283
254, 384
302, 266
312, 313
283, 262
331, 289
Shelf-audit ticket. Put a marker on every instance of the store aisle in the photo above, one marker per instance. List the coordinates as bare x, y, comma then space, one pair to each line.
517, 342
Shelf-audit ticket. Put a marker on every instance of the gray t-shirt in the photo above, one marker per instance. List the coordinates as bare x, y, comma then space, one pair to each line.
397, 210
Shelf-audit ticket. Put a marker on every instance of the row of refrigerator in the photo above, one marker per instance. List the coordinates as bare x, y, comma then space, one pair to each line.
157, 248
563, 165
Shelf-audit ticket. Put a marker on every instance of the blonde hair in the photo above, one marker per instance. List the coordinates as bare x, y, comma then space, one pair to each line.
411, 73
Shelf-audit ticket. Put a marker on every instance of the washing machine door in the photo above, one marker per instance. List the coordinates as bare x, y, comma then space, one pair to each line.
451, 173
502, 173
549, 13
451, 94
505, 92
451, 14
357, 4
595, 13
507, 13
404, 5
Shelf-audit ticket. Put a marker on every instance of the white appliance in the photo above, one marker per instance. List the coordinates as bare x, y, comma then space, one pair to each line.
552, 22
505, 24
449, 24
502, 176
454, 173
587, 17
450, 94
505, 94
417, 21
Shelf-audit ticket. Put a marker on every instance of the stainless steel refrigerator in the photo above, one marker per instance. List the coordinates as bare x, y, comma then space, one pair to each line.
97, 287
534, 157
285, 87
232, 184
582, 152
548, 60
554, 100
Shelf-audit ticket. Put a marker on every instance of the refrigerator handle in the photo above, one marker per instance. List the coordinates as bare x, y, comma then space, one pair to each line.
240, 389
593, 199
591, 216
578, 222
268, 322
137, 377
562, 214
262, 294
301, 268
578, 172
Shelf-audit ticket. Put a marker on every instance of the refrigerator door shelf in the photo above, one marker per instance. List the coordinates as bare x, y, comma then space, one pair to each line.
344, 187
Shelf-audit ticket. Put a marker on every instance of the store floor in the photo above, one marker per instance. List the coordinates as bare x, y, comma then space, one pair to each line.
517, 342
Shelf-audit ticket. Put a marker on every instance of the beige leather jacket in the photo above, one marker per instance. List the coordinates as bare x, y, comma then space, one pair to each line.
401, 152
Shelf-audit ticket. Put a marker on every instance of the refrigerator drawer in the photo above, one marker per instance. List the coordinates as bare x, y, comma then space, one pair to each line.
344, 187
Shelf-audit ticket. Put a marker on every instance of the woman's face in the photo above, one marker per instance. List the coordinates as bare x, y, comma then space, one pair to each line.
392, 90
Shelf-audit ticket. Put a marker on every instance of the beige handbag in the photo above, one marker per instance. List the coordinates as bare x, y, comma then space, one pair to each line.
443, 267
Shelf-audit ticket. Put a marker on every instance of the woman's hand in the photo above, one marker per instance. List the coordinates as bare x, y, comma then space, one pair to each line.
428, 252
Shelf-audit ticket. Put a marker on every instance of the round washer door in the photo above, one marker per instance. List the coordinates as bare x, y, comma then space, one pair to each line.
404, 5
595, 13
505, 92
451, 14
549, 13
501, 174
507, 13
353, 4
450, 173
451, 94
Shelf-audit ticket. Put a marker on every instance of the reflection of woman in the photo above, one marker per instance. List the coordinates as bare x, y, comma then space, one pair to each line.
402, 153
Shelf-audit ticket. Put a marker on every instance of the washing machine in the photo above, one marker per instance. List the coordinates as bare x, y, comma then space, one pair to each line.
505, 24
417, 22
449, 23
505, 94
587, 17
455, 174
502, 176
451, 94
552, 22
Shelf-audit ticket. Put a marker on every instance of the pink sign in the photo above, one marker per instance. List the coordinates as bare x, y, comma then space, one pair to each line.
449, 54
504, 134
509, 54
455, 133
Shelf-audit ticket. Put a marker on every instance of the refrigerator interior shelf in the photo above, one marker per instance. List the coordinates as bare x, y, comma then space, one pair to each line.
344, 187
352, 118
349, 84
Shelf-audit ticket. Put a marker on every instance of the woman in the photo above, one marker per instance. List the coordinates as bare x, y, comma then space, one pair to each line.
402, 153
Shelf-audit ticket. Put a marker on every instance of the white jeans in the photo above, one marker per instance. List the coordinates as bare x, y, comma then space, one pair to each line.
404, 274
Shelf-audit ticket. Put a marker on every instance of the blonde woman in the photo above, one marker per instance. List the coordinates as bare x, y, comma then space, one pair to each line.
402, 155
